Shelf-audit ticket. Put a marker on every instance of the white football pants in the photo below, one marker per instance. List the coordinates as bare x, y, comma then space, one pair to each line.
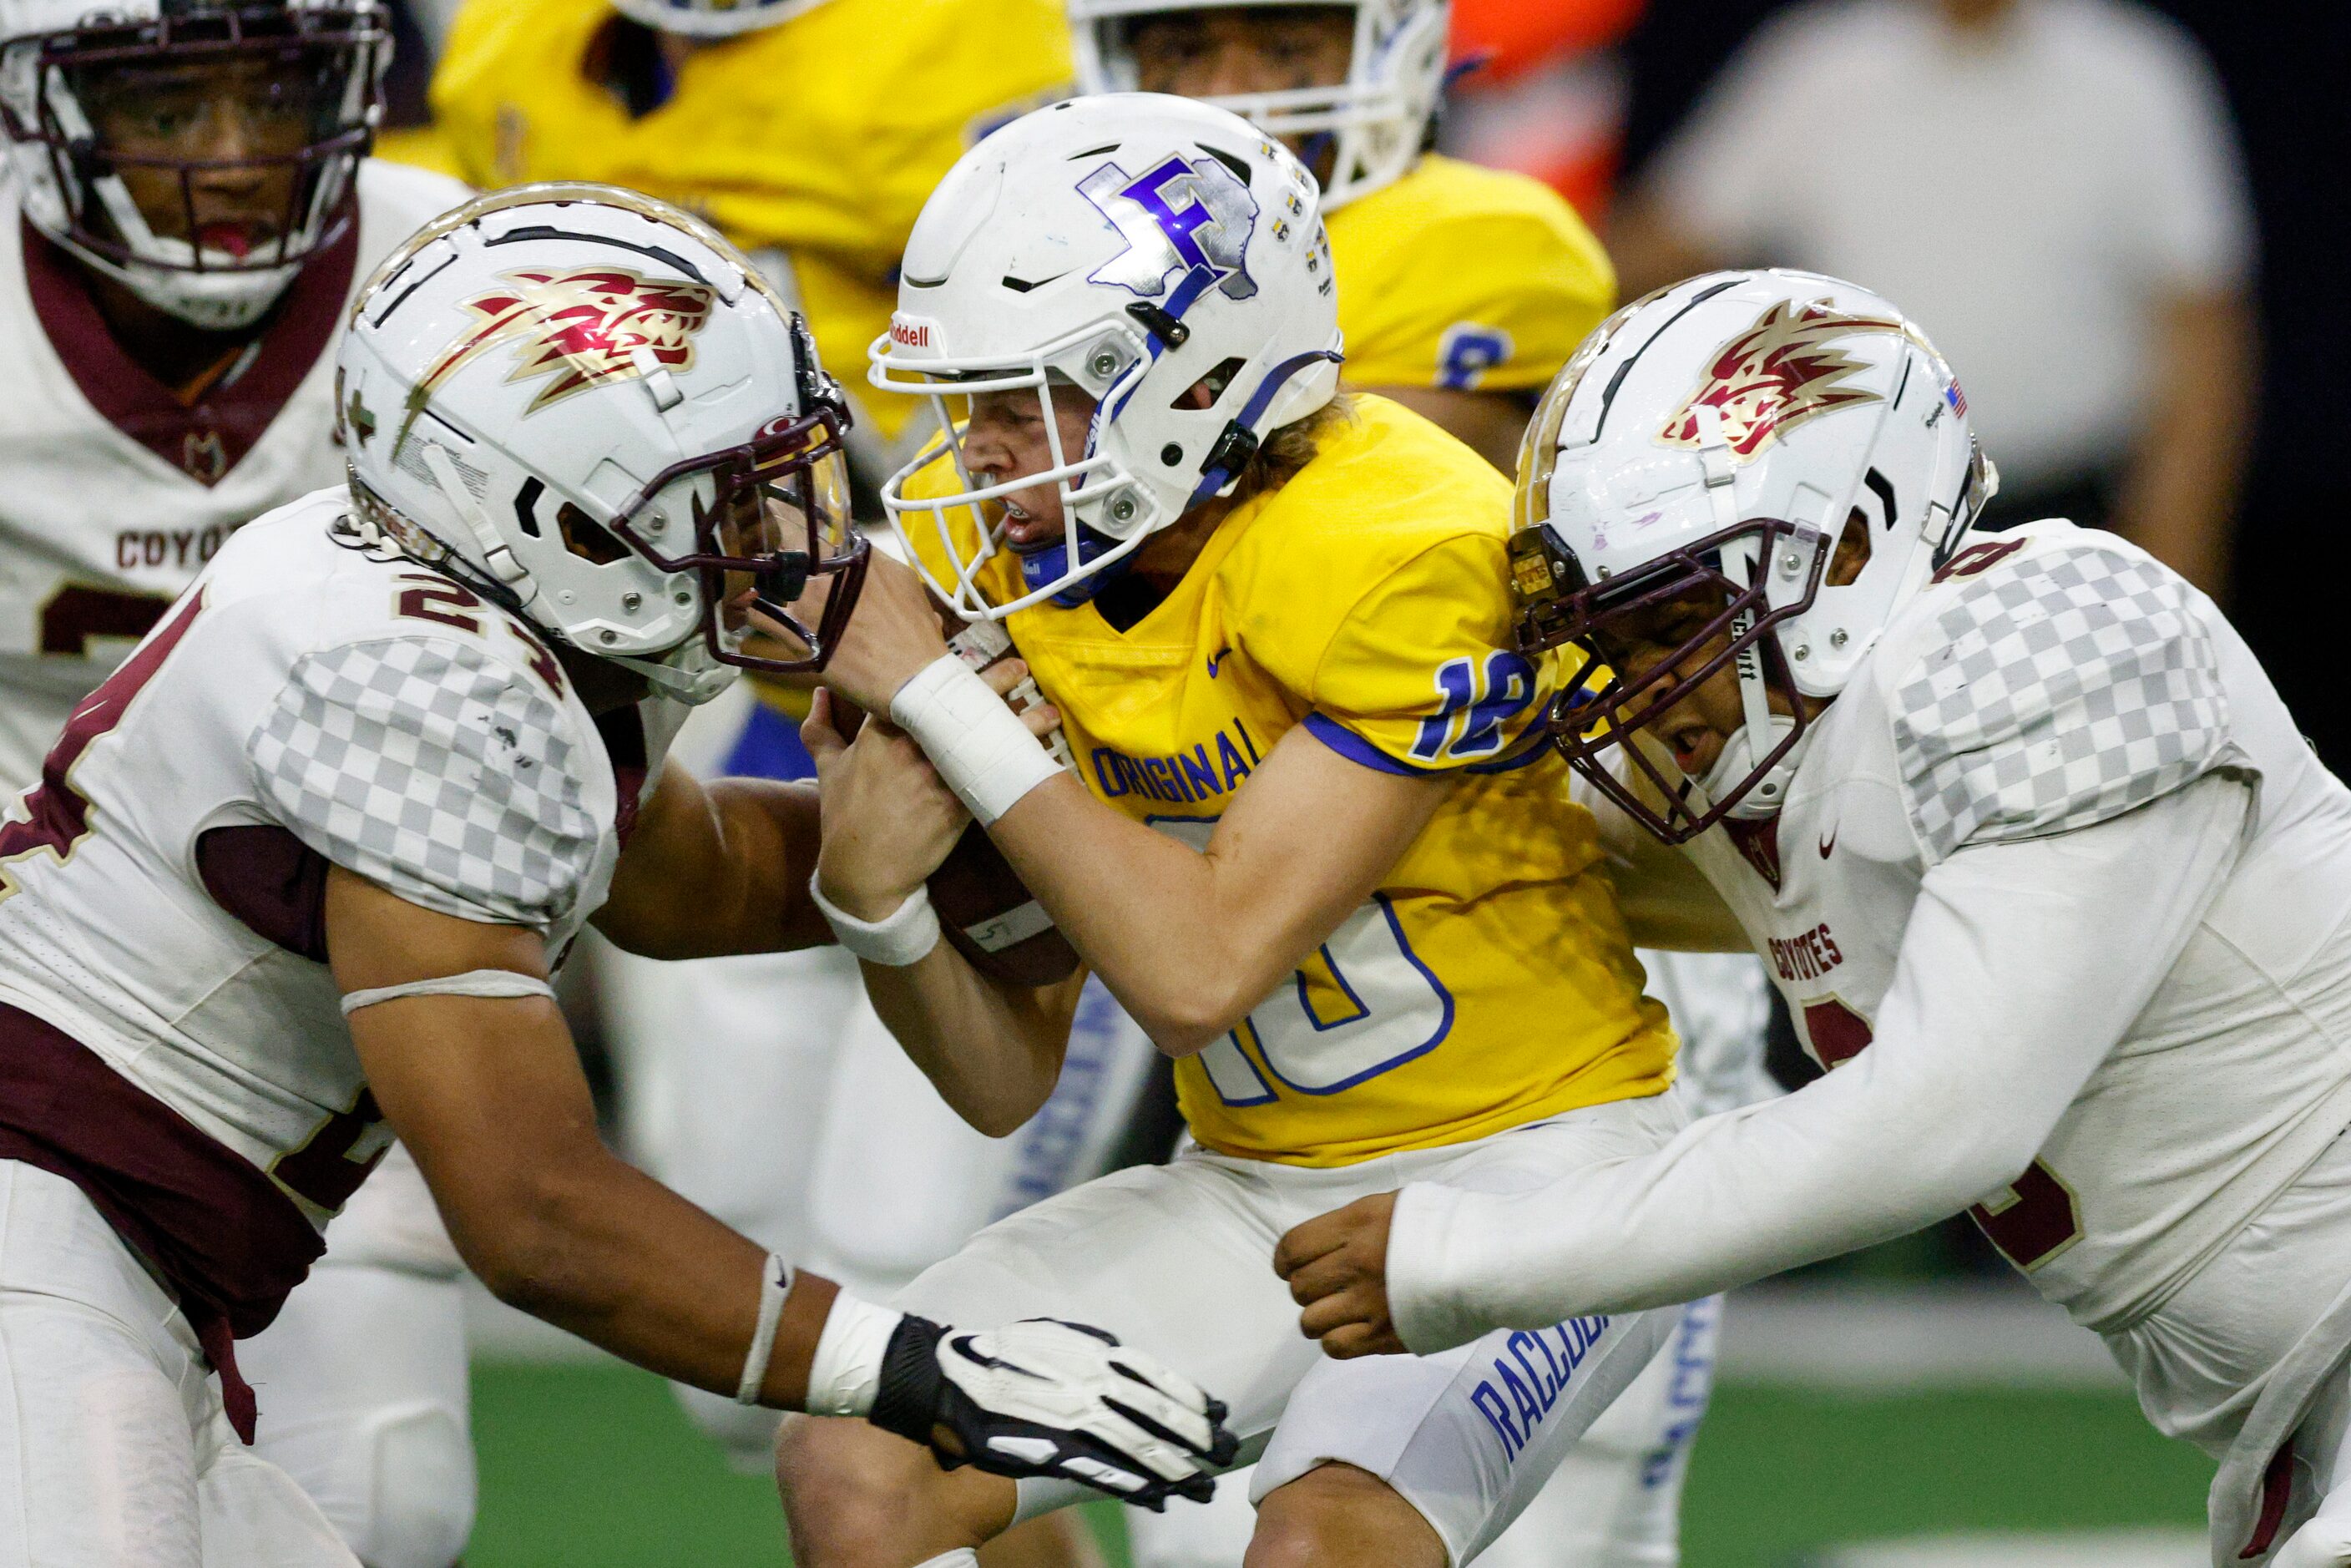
1616, 1501
363, 1378
115, 1447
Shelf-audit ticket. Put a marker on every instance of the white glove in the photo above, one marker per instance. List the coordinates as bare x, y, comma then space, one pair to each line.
1041, 1397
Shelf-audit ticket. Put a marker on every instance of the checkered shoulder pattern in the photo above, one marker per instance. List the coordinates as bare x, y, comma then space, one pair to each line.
2062, 688
427, 767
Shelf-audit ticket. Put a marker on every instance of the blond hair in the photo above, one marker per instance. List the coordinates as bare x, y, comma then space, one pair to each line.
1286, 452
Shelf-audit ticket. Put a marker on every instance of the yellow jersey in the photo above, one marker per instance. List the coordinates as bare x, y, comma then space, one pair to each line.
1489, 980
1465, 278
821, 136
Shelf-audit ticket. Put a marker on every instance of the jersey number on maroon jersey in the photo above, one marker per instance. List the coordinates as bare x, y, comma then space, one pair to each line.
2033, 1222
443, 604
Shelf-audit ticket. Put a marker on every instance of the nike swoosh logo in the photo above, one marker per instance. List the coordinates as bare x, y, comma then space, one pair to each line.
1217, 658
978, 1357
1828, 843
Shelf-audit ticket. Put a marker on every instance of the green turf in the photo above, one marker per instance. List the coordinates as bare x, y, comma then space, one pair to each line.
1777, 1470
596, 1467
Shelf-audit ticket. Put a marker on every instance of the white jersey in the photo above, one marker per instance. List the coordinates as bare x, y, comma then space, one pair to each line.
118, 494
2056, 872
1989, 712
307, 701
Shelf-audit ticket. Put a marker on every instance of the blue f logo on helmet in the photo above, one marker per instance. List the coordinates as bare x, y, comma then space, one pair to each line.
1208, 232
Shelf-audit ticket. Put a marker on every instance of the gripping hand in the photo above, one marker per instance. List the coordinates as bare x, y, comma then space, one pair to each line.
1042, 1397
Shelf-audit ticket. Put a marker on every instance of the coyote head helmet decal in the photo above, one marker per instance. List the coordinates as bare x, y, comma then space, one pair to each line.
1681, 484
580, 326
1780, 373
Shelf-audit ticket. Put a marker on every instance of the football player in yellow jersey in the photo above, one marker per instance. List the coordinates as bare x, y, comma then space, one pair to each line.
1463, 289
808, 132
1273, 621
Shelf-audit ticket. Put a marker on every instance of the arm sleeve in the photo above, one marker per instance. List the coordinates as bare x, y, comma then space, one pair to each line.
2022, 966
437, 773
1420, 676
2068, 688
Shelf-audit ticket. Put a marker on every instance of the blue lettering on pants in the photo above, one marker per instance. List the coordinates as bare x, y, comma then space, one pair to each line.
1527, 1382
1693, 1387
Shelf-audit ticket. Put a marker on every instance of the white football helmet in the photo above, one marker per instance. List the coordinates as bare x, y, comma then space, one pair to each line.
55, 55
591, 408
712, 18
1377, 120
1718, 436
1131, 247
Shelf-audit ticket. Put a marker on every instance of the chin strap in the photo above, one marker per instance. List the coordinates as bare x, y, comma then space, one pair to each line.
692, 686
1754, 694
497, 559
223, 301
1738, 760
1053, 563
1754, 698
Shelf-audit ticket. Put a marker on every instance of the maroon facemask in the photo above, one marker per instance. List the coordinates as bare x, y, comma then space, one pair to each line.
776, 510
1602, 711
304, 78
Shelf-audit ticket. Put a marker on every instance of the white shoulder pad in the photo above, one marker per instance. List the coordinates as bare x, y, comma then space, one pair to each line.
423, 764
396, 200
2059, 687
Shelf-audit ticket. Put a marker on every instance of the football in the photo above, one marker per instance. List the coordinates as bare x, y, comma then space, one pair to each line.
986, 912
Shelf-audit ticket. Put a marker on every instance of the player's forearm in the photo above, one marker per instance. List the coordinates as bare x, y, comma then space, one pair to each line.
2021, 966
718, 869
993, 1055
768, 830
601, 1251
1735, 1198
1157, 920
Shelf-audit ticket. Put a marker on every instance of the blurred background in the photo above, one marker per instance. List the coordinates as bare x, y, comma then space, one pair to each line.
2122, 222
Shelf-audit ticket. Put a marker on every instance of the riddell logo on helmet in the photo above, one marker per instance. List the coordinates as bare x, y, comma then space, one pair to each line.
582, 326
908, 334
1776, 375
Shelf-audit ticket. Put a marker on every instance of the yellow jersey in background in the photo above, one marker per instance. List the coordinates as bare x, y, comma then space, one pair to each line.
820, 136
1465, 278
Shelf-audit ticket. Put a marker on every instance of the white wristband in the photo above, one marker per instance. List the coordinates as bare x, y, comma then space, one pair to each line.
905, 935
775, 1284
847, 1368
979, 744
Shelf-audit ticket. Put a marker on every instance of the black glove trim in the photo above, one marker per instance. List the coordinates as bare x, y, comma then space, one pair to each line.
906, 1399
